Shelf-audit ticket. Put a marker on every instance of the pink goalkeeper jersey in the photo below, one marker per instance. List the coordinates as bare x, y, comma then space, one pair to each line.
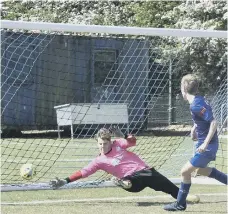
119, 162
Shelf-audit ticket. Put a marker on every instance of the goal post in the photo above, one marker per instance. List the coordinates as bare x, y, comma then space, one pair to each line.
130, 71
118, 30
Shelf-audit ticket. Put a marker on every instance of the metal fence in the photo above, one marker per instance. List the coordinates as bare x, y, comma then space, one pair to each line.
159, 115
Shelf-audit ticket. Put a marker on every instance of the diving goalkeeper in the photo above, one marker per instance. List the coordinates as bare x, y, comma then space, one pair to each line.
131, 172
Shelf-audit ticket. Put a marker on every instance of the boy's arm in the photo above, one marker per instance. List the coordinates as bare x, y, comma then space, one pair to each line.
193, 132
85, 172
212, 130
57, 183
194, 127
129, 141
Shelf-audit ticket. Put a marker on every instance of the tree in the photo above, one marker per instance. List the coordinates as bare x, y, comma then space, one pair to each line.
206, 57
68, 11
153, 13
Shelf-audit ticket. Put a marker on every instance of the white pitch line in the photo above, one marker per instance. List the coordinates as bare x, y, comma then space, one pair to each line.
102, 199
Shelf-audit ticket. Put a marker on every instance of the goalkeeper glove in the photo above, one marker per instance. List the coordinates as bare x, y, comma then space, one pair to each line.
57, 183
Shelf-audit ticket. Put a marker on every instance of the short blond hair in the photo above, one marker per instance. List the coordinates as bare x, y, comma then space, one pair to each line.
191, 83
103, 133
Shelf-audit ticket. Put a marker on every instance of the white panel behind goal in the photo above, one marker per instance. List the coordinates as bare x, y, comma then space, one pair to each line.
84, 114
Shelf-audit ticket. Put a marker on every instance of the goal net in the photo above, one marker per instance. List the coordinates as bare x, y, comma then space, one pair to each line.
60, 83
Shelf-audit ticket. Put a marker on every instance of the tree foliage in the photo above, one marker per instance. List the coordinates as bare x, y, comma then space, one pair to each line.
68, 11
206, 57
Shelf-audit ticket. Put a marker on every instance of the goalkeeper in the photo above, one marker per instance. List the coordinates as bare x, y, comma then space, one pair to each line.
131, 173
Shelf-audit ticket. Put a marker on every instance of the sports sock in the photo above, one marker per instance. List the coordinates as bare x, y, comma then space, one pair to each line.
183, 192
219, 176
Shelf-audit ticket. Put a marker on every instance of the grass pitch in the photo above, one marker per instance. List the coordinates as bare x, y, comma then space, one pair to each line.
61, 157
111, 201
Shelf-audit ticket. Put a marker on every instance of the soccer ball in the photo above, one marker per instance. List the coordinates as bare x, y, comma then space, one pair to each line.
27, 171
193, 198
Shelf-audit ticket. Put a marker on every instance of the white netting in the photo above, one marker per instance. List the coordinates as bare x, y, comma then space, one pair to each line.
87, 81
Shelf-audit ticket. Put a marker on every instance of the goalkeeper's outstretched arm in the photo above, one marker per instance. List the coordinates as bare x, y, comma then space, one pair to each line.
57, 183
83, 173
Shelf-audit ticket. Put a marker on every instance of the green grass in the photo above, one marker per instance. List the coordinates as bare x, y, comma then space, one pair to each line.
208, 204
61, 157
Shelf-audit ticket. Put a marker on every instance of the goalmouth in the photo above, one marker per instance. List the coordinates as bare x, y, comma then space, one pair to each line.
129, 71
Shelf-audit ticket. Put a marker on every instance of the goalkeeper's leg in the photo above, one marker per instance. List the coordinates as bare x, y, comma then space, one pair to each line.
159, 182
147, 178
153, 179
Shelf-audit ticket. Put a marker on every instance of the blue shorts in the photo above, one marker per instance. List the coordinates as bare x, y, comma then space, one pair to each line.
201, 160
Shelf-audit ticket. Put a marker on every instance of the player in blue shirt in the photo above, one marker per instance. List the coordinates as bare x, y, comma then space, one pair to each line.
205, 132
